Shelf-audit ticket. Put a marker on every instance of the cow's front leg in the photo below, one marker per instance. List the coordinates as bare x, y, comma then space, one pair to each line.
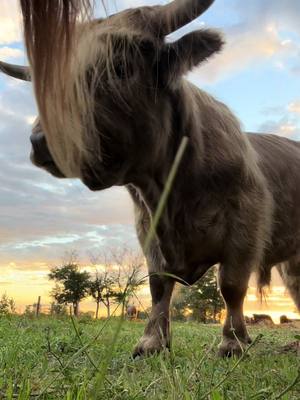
233, 285
157, 332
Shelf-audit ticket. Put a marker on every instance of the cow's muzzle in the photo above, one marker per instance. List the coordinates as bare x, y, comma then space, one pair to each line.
40, 154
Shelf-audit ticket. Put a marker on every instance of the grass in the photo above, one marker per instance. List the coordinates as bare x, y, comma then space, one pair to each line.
53, 359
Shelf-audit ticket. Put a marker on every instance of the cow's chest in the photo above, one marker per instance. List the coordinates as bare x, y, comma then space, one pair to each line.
194, 241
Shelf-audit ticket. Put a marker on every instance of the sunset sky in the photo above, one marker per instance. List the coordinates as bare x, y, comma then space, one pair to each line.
257, 75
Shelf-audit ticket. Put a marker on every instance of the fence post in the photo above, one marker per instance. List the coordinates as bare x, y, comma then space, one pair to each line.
38, 306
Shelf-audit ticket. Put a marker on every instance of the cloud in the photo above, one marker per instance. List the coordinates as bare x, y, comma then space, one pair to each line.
8, 53
242, 50
282, 120
285, 14
294, 107
283, 127
10, 29
260, 32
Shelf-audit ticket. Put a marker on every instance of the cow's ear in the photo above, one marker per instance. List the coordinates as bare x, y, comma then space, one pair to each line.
180, 57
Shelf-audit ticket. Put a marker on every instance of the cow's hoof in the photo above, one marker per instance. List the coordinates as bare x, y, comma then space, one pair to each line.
232, 348
149, 345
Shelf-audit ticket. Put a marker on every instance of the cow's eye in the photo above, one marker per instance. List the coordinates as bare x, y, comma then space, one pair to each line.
121, 71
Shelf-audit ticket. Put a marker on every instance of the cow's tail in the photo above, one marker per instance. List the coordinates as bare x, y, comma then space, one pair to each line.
290, 274
263, 280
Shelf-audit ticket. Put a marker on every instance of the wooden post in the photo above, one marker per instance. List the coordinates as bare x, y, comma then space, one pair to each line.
38, 307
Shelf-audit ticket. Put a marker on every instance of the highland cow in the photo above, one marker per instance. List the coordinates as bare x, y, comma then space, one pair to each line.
113, 109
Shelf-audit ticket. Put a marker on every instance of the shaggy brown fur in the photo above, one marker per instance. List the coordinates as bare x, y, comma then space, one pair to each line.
235, 198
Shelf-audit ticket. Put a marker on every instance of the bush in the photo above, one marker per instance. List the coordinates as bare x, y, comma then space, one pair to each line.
7, 305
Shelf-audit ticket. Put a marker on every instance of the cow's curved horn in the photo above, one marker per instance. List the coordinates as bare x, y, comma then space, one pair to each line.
16, 71
180, 12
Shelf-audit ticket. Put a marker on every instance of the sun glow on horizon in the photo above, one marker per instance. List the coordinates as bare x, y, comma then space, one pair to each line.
24, 285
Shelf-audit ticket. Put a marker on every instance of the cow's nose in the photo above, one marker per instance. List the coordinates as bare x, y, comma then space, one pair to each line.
42, 155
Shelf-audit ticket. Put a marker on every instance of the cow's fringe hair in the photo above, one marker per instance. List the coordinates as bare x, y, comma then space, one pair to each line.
51, 35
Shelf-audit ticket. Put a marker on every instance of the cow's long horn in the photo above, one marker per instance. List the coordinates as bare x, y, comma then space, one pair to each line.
16, 71
180, 12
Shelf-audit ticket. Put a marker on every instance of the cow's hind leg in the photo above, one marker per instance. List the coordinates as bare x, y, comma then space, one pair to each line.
157, 332
233, 285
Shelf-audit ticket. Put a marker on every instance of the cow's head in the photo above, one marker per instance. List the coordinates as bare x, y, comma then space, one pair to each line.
101, 86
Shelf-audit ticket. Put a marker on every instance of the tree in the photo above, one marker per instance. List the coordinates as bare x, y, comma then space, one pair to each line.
102, 286
203, 298
72, 285
119, 279
58, 310
7, 305
29, 311
102, 290
129, 279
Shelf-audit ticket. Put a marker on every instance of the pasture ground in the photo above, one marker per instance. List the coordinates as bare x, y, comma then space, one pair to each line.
48, 358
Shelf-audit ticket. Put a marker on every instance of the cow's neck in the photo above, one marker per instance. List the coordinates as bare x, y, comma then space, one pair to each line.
151, 183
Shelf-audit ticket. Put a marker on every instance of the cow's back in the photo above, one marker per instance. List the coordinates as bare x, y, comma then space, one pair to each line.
279, 160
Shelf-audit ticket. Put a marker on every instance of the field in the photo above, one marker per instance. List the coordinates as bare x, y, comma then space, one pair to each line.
59, 359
